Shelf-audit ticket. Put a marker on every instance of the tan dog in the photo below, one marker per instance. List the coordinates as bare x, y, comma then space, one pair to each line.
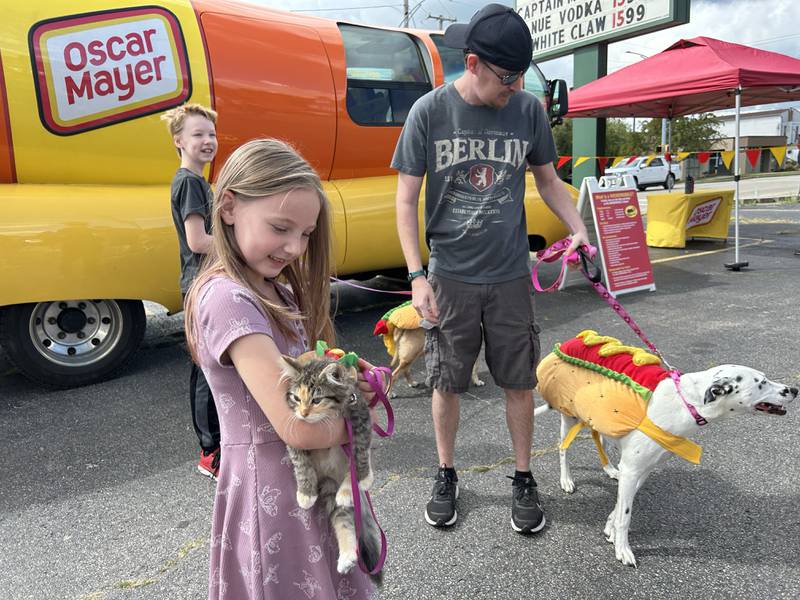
404, 338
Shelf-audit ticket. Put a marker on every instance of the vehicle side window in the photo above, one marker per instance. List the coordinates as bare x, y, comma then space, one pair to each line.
656, 162
452, 59
385, 74
453, 65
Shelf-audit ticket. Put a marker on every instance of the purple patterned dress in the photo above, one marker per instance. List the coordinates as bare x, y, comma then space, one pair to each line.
263, 545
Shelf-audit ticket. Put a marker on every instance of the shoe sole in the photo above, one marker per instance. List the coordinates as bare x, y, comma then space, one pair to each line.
205, 473
523, 530
433, 523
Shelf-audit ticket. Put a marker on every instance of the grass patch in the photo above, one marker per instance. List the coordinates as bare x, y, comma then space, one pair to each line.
182, 552
132, 584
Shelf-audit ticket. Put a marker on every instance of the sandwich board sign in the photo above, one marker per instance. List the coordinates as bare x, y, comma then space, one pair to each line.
620, 237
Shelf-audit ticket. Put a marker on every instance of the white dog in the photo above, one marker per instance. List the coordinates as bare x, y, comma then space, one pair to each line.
715, 393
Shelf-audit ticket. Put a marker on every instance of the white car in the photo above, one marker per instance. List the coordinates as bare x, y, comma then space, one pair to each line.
648, 171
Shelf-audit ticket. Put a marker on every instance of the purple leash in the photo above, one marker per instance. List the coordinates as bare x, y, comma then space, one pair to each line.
585, 254
376, 377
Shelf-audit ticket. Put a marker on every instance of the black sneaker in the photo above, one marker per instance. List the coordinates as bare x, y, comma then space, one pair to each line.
441, 508
526, 511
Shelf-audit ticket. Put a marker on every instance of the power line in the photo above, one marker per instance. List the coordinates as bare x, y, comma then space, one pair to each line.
441, 19
345, 8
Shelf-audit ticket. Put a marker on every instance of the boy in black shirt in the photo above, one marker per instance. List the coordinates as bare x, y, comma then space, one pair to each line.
193, 130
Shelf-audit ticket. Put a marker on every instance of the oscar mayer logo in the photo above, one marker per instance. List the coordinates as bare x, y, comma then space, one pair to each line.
96, 69
703, 213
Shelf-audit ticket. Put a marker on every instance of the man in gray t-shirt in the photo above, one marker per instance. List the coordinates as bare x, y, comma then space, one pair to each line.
474, 139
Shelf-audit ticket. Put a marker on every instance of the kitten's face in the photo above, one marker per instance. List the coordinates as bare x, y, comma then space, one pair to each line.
319, 387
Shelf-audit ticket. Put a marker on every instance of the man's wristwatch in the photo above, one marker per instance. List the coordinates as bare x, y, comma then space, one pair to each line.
412, 275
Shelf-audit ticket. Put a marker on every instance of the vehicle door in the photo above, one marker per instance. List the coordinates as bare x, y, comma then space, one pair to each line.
386, 72
653, 172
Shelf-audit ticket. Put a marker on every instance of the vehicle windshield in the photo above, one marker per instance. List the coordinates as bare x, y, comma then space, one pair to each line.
453, 65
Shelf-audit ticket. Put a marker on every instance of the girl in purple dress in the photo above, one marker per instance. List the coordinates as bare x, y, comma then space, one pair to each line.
266, 292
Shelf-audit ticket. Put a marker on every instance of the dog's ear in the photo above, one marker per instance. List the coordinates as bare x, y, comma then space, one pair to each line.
719, 388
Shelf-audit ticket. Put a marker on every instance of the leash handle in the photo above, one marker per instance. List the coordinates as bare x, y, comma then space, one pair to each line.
356, 491
376, 378
587, 258
583, 256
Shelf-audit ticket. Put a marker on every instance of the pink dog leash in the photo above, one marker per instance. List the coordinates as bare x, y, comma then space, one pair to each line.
380, 379
585, 256
376, 378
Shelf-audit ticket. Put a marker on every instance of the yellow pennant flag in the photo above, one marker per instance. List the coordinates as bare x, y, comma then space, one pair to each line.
650, 158
682, 155
580, 160
727, 157
617, 160
778, 152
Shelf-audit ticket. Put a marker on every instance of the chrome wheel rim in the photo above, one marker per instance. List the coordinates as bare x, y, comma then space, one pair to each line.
75, 333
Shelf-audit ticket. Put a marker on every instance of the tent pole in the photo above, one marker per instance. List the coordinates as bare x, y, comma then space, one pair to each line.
737, 264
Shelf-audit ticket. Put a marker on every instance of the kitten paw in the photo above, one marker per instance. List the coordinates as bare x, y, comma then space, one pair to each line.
367, 482
346, 562
344, 497
304, 501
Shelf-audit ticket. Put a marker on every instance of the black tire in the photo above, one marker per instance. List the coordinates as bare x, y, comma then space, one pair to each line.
65, 344
669, 183
641, 188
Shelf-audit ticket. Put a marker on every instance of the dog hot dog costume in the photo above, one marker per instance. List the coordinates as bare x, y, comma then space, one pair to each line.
606, 386
404, 316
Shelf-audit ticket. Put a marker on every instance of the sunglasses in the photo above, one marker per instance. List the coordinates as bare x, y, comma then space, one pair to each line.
507, 79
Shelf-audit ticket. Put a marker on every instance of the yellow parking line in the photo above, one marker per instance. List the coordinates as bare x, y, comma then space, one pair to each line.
671, 258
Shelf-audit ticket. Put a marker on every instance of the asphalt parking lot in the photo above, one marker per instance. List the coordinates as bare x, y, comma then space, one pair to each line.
100, 499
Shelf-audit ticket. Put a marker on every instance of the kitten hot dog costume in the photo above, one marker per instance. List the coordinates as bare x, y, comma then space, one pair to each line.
606, 386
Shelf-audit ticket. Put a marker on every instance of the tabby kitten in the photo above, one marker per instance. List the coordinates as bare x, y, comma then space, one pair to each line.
323, 389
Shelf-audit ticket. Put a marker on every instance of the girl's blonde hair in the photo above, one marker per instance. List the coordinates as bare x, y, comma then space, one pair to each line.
263, 168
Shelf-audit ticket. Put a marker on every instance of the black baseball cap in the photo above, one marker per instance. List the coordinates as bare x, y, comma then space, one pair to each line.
497, 34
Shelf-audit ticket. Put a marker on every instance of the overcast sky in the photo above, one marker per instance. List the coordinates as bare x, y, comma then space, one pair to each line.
766, 24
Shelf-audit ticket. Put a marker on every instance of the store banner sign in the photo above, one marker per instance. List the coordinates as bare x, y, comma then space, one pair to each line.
558, 27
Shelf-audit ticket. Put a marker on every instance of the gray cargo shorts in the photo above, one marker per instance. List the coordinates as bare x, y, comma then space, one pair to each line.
499, 313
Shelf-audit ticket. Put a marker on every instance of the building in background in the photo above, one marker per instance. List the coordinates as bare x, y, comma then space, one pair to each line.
758, 128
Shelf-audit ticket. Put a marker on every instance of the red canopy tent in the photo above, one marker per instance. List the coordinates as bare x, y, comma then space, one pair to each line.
693, 76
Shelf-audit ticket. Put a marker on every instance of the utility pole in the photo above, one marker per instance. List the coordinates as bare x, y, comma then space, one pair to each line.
405, 13
441, 19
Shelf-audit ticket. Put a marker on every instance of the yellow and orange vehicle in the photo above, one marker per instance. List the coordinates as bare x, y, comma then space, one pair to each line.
85, 162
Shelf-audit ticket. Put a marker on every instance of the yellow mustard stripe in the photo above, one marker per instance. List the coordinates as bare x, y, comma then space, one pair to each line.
611, 346
600, 451
684, 448
573, 432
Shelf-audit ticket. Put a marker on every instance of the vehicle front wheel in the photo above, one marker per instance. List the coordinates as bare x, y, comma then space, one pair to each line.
71, 343
636, 183
670, 182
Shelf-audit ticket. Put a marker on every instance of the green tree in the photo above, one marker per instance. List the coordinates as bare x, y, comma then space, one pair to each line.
562, 134
689, 134
621, 140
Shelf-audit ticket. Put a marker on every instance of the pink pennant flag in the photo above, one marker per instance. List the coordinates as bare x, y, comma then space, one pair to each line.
562, 160
702, 157
603, 161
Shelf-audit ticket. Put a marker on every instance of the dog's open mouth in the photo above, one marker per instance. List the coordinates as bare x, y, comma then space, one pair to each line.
772, 409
